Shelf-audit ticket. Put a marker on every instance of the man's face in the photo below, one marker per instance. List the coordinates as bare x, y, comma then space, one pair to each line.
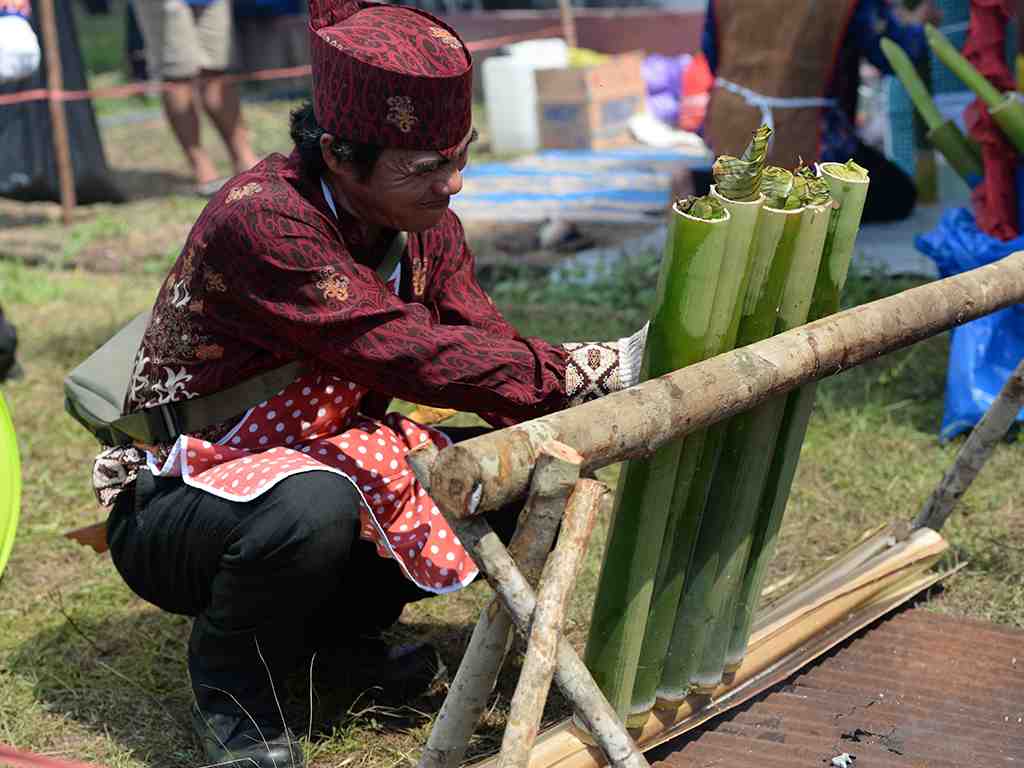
409, 190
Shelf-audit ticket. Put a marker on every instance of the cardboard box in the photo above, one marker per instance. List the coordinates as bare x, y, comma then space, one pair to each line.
590, 108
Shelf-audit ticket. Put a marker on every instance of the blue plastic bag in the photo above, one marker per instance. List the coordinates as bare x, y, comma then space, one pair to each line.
984, 352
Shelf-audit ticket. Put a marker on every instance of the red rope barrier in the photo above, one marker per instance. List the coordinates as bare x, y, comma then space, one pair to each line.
17, 759
134, 89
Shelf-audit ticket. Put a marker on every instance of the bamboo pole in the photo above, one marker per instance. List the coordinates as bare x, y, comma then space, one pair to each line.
58, 118
975, 452
557, 581
558, 468
568, 22
491, 470
571, 673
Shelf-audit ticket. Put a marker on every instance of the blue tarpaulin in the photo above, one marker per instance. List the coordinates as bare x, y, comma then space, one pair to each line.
984, 352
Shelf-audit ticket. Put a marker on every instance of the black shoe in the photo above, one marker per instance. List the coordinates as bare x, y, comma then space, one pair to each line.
399, 671
230, 740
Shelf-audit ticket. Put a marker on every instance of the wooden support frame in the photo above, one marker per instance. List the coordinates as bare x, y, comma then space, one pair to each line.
490, 471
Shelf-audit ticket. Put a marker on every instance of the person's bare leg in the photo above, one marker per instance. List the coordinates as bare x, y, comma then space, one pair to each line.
223, 105
181, 113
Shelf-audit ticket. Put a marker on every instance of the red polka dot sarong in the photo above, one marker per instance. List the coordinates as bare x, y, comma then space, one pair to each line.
314, 425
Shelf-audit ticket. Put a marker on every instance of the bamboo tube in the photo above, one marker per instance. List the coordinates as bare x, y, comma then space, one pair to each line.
685, 297
848, 185
947, 53
1009, 116
1006, 108
10, 484
942, 134
905, 70
704, 595
677, 542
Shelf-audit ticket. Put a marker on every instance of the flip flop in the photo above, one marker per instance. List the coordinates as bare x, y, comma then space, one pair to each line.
210, 188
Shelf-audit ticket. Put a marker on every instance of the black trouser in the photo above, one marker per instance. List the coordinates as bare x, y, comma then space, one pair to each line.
275, 577
891, 195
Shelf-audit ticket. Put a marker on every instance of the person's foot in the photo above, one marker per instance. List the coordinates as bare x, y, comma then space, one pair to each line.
399, 671
231, 740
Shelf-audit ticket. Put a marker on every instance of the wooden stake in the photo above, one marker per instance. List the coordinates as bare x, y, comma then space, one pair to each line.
975, 452
571, 673
568, 22
557, 581
488, 472
558, 469
58, 118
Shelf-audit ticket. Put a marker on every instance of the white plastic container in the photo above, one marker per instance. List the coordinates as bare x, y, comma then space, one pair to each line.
510, 95
543, 53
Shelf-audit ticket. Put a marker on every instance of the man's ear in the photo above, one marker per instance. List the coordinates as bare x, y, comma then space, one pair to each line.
335, 164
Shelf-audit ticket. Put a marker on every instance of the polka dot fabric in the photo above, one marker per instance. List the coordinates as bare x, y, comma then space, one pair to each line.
313, 425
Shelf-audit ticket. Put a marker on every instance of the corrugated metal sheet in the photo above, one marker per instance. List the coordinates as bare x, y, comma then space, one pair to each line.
916, 690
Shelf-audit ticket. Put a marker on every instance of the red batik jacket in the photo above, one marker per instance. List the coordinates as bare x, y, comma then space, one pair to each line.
269, 274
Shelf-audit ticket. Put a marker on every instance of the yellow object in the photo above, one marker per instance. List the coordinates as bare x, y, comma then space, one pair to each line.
584, 57
10, 484
426, 415
1020, 72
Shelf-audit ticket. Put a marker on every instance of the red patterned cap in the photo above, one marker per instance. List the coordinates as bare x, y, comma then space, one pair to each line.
388, 75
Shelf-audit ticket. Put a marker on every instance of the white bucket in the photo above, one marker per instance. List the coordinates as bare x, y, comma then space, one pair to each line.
510, 95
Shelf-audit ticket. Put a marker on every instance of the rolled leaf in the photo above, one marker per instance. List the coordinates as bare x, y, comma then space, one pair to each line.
681, 320
739, 179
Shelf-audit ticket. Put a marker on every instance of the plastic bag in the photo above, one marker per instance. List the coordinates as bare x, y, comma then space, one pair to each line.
19, 49
984, 352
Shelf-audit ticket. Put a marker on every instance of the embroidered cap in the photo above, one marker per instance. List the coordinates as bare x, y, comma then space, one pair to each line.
389, 75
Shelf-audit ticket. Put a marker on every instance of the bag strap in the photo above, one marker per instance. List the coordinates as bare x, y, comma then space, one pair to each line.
164, 423
393, 255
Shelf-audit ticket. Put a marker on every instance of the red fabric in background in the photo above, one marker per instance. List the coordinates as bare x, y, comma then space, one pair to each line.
995, 198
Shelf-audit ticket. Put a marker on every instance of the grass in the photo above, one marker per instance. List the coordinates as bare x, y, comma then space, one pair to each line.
90, 671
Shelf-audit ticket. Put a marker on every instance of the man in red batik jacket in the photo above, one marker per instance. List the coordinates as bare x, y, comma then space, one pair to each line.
302, 510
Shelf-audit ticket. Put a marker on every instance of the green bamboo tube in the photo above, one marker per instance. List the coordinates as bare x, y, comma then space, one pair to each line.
942, 134
962, 156
678, 538
729, 519
848, 184
947, 53
691, 265
1009, 116
776, 240
907, 73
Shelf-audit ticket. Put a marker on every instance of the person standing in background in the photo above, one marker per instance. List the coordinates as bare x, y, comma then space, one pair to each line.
188, 44
796, 66
274, 34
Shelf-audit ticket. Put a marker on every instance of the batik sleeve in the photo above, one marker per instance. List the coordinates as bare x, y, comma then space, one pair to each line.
299, 290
